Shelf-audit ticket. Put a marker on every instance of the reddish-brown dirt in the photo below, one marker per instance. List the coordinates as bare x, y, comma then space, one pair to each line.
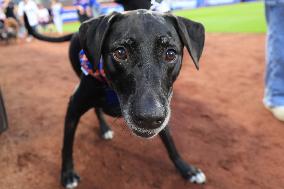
218, 122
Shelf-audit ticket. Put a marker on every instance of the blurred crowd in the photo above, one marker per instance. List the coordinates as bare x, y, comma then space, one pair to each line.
49, 19
90, 8
39, 17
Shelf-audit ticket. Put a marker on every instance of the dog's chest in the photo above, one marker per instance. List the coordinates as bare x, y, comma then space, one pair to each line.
110, 103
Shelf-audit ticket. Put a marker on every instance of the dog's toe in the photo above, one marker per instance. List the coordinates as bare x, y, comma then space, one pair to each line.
72, 185
70, 180
108, 135
198, 178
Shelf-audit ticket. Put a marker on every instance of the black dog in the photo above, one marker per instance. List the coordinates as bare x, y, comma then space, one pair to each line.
142, 55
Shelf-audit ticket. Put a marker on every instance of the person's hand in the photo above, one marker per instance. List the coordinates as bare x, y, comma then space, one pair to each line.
80, 9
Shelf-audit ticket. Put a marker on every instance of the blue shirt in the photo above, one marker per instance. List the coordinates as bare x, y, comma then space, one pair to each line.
83, 3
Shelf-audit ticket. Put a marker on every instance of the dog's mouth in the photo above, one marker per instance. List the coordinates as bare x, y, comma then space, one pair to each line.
144, 133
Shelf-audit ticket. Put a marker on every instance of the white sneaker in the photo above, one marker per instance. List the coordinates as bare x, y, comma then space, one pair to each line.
277, 111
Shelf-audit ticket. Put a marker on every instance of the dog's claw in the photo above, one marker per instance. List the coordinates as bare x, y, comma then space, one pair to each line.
198, 178
108, 135
70, 180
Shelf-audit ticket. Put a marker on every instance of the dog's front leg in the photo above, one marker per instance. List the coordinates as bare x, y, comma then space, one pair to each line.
78, 105
69, 178
188, 171
106, 132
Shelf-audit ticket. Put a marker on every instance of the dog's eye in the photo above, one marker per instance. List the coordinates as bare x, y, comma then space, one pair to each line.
170, 55
120, 54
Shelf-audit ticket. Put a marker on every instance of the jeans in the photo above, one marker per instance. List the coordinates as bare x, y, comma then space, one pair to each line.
274, 75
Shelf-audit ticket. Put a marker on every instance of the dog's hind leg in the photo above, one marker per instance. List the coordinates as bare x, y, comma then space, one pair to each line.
189, 172
105, 131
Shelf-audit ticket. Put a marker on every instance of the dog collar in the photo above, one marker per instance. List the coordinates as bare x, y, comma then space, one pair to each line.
99, 74
87, 67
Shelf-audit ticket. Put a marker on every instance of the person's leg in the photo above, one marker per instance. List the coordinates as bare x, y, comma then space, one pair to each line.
274, 78
58, 24
274, 75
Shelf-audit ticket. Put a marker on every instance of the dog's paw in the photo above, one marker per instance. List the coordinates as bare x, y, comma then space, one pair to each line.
189, 172
70, 180
198, 177
108, 135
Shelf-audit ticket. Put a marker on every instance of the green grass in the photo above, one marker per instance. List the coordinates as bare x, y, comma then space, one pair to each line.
236, 18
71, 27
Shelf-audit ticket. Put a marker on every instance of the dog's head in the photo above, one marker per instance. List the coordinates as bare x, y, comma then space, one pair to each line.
142, 52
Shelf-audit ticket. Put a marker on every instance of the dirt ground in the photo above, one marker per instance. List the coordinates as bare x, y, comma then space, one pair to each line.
218, 122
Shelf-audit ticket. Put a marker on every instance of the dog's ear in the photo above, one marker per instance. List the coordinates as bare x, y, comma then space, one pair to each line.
92, 34
192, 35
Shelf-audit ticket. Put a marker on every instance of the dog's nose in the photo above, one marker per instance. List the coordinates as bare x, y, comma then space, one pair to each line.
148, 113
149, 121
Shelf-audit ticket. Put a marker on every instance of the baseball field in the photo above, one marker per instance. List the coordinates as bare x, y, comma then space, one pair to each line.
218, 120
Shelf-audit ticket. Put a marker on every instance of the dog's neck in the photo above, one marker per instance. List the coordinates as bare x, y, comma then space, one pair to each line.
99, 74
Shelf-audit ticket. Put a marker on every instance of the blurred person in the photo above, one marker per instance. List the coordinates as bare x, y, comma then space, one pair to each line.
1, 4
43, 17
2, 12
156, 5
84, 9
29, 7
11, 21
8, 27
134, 5
2, 16
3, 33
10, 9
95, 7
56, 8
274, 74
161, 5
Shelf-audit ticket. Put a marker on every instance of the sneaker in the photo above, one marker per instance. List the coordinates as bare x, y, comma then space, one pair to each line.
277, 111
